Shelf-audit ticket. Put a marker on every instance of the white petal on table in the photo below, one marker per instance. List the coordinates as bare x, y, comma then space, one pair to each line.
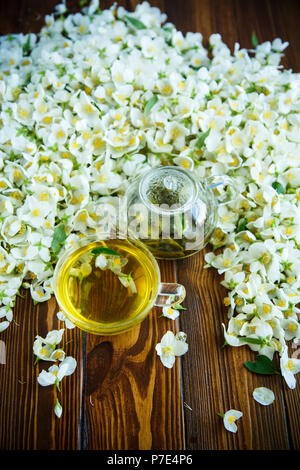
263, 395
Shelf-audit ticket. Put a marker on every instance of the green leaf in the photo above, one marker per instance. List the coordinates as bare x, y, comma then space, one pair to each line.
57, 384
278, 187
149, 105
2, 295
36, 361
262, 365
26, 46
134, 22
254, 40
20, 295
57, 405
59, 238
195, 48
200, 142
286, 86
101, 250
61, 69
242, 225
178, 307
102, 52
253, 88
250, 340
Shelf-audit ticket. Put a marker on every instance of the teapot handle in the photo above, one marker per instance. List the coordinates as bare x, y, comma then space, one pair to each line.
224, 188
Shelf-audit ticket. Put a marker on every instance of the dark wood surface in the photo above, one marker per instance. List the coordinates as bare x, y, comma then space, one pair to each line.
121, 396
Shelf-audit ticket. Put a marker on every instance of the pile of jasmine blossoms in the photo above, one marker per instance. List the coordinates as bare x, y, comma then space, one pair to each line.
99, 97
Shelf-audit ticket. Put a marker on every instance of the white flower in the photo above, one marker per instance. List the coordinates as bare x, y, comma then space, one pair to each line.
58, 409
56, 373
3, 325
230, 418
171, 346
263, 395
53, 337
225, 261
39, 293
127, 281
33, 213
278, 45
23, 112
7, 313
175, 133
85, 109
47, 352
69, 325
231, 337
291, 328
101, 261
289, 367
61, 8
121, 74
151, 47
44, 348
184, 162
133, 164
170, 312
13, 230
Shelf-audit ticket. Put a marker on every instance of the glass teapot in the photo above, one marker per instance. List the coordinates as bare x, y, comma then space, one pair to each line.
173, 212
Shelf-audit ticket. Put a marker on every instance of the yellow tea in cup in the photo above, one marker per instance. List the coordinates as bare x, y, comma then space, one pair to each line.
108, 286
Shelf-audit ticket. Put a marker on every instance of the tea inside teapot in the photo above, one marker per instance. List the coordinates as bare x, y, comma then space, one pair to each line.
171, 212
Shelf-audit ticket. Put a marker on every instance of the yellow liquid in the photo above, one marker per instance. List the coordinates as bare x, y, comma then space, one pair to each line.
99, 302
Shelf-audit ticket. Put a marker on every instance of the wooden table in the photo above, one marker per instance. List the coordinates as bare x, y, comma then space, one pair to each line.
121, 396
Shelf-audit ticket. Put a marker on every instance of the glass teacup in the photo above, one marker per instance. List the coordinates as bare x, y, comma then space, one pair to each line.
107, 285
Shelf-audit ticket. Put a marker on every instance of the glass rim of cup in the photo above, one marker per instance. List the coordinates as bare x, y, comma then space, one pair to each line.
102, 329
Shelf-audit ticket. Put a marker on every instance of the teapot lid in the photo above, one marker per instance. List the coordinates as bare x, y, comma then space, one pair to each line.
168, 189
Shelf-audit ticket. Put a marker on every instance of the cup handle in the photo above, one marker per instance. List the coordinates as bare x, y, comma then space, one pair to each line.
217, 183
169, 294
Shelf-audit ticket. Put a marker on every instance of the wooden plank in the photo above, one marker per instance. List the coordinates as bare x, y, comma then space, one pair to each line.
131, 400
221, 377
222, 380
27, 420
22, 16
214, 378
284, 17
149, 385
292, 400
